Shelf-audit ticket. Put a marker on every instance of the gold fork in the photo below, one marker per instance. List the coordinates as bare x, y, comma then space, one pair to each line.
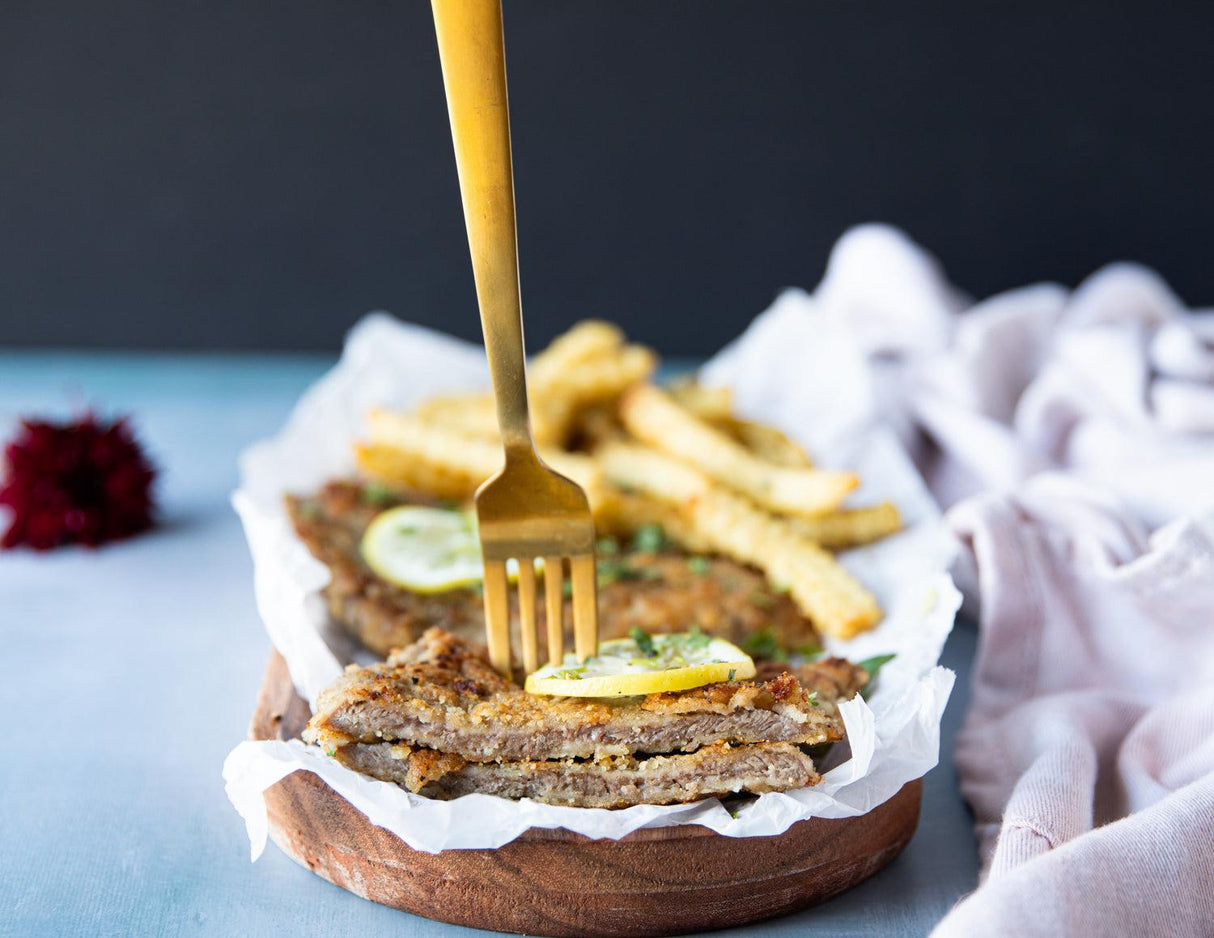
526, 511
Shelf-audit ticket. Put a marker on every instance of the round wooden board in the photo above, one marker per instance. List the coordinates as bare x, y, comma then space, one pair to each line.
659, 881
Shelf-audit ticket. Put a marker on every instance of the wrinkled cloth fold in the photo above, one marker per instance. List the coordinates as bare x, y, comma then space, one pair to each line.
1088, 751
1072, 434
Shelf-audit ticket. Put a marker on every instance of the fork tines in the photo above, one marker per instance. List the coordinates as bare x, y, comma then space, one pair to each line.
497, 610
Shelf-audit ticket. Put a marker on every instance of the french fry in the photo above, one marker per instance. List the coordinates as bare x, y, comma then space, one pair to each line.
411, 451
595, 426
559, 398
851, 527
591, 338
637, 468
399, 468
730, 525
767, 443
653, 417
586, 366
715, 406
579, 467
472, 414
711, 404
622, 514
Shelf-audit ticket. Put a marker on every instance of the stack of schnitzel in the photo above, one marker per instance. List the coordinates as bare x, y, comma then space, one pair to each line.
436, 719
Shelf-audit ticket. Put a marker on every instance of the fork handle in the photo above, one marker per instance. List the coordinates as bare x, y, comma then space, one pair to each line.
473, 55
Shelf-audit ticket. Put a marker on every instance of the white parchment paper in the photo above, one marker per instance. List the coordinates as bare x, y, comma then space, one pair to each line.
788, 369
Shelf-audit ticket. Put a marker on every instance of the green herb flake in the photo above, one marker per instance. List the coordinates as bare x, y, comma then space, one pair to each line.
568, 674
763, 644
375, 494
644, 641
809, 651
566, 589
732, 674
699, 565
607, 546
610, 570
696, 638
649, 539
761, 599
872, 666
813, 698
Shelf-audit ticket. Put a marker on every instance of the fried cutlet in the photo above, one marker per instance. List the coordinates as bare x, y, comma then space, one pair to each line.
829, 679
713, 771
440, 693
655, 591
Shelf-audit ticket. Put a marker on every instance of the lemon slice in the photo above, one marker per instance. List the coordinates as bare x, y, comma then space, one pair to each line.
645, 664
425, 550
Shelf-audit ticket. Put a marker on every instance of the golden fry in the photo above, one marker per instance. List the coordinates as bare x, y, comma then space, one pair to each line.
591, 338
732, 526
767, 443
595, 426
472, 414
587, 366
412, 472
411, 451
557, 401
711, 404
851, 527
622, 514
654, 418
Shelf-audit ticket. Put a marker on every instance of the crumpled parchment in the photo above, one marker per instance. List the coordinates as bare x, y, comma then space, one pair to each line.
814, 396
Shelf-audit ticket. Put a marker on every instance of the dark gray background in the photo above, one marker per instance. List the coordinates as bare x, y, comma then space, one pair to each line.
257, 173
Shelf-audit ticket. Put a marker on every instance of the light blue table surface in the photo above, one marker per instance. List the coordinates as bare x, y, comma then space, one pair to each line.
129, 672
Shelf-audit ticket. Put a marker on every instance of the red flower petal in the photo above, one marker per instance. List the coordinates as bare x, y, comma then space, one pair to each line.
84, 482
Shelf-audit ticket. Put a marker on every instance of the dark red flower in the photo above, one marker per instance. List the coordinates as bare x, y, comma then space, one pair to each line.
85, 482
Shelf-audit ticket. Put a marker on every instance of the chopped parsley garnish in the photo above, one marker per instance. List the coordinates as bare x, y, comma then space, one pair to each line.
762, 599
809, 651
568, 674
375, 494
607, 546
733, 672
813, 698
696, 638
610, 570
699, 565
872, 666
643, 641
649, 538
764, 644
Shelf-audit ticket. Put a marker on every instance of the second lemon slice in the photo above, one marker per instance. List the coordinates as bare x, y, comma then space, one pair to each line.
425, 550
645, 664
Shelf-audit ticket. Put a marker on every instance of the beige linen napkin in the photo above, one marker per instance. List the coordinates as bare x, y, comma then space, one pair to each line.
1088, 750
1063, 426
